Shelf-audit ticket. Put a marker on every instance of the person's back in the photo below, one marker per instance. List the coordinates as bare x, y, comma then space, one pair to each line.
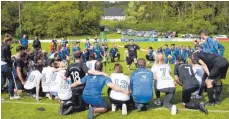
186, 75
46, 78
122, 81
32, 79
141, 85
55, 81
164, 79
93, 87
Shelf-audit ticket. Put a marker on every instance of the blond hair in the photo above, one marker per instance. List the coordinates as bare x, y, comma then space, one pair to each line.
63, 64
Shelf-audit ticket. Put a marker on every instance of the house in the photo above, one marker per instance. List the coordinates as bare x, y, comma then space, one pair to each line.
113, 14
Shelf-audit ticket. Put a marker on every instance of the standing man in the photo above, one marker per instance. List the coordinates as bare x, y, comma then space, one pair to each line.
167, 52
211, 45
24, 41
114, 53
87, 44
37, 47
175, 53
185, 77
132, 50
6, 65
215, 66
141, 84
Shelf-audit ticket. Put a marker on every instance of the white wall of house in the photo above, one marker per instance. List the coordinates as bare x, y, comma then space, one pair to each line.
113, 17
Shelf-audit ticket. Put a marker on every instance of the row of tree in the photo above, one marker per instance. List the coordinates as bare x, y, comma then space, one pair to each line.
182, 16
51, 19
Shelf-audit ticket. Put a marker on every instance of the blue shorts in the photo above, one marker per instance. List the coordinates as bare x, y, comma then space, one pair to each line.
95, 101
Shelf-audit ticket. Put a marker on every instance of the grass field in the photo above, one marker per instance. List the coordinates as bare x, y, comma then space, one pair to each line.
26, 107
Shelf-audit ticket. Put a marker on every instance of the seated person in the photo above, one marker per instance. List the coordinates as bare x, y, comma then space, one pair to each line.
114, 53
141, 84
92, 93
119, 98
150, 55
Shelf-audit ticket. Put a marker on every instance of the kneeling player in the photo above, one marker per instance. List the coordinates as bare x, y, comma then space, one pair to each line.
185, 77
141, 84
32, 85
150, 55
165, 83
92, 92
119, 98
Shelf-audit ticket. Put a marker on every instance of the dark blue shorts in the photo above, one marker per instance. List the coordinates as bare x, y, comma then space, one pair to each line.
95, 101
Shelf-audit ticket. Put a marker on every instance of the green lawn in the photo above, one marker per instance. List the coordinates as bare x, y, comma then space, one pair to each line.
27, 108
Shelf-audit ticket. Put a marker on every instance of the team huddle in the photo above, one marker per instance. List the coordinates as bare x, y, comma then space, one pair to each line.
78, 86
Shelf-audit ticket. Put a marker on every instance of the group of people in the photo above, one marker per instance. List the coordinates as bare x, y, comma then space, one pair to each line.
78, 86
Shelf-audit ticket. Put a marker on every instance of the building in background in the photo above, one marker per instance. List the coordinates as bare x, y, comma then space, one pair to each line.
113, 14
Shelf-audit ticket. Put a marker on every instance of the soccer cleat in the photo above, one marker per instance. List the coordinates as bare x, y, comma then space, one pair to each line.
113, 107
217, 102
202, 108
124, 109
210, 103
14, 97
198, 97
90, 112
174, 110
158, 102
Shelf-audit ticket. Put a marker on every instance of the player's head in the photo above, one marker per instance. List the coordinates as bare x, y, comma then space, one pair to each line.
56, 64
39, 65
77, 43
63, 64
191, 60
114, 45
77, 55
172, 46
91, 56
87, 40
180, 59
8, 39
118, 68
20, 49
204, 34
166, 46
188, 47
150, 49
67, 45
141, 63
131, 41
160, 58
98, 66
51, 62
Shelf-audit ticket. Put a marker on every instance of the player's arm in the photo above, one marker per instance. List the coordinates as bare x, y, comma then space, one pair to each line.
116, 88
120, 46
20, 75
177, 80
204, 66
143, 50
76, 83
38, 80
93, 72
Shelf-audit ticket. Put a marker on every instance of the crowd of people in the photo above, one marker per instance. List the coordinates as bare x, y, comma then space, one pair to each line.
78, 85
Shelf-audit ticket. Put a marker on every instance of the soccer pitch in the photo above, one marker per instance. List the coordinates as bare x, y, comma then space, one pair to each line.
26, 107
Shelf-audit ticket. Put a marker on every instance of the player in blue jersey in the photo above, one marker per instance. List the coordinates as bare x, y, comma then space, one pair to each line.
87, 44
114, 53
183, 52
150, 55
92, 93
167, 52
141, 84
175, 52
76, 47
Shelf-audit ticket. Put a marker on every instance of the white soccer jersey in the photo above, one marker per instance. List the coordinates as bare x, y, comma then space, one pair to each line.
199, 72
65, 91
164, 79
46, 78
91, 64
122, 81
31, 82
55, 82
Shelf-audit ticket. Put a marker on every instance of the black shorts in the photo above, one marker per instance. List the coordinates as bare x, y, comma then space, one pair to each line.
130, 60
219, 71
186, 94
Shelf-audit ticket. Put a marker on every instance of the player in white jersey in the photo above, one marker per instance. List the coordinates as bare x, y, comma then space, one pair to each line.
32, 84
91, 63
123, 81
165, 82
199, 74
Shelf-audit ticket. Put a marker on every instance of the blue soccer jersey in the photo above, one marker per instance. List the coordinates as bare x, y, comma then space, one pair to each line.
141, 84
93, 88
